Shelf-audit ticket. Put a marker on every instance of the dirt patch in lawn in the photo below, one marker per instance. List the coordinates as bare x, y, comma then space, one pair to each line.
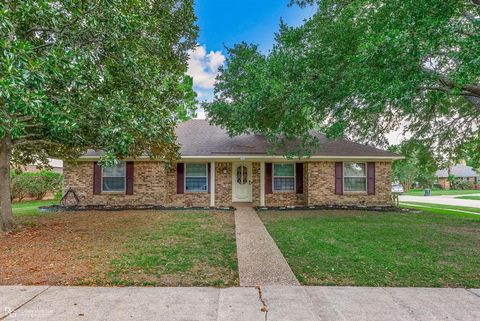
175, 248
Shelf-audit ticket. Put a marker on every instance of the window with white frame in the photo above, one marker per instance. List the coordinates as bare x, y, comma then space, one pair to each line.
354, 177
113, 178
283, 177
196, 177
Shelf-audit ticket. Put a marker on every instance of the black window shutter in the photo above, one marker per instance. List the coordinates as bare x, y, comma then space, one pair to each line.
129, 178
180, 178
339, 178
268, 178
371, 178
299, 178
97, 179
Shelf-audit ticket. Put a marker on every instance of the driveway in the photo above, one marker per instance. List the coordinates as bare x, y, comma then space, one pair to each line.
240, 303
444, 199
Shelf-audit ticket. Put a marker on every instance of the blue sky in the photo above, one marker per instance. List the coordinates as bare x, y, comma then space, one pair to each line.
232, 21
226, 22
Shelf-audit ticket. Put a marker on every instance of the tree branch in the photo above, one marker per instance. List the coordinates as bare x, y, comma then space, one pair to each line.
39, 29
35, 142
24, 118
24, 137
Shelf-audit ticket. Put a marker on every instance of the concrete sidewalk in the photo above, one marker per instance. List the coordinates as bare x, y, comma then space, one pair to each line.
445, 200
260, 261
243, 303
430, 206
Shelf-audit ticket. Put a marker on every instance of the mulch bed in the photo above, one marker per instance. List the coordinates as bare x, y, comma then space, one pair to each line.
335, 207
76, 208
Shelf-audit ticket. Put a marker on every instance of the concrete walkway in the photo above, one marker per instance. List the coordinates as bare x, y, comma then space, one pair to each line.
433, 205
260, 262
445, 200
277, 303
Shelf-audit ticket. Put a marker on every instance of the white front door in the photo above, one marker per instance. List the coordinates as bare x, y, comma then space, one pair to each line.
242, 182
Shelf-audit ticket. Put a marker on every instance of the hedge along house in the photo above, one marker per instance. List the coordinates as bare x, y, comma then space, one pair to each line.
218, 170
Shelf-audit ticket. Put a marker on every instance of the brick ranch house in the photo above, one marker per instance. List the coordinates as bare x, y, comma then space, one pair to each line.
462, 172
217, 170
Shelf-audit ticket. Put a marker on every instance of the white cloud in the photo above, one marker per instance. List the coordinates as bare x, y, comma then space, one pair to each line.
203, 66
201, 114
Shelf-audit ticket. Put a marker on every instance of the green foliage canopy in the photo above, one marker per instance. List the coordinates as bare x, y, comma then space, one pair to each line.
419, 164
94, 74
361, 69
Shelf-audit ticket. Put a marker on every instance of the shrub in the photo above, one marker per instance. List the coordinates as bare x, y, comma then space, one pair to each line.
18, 186
36, 185
461, 185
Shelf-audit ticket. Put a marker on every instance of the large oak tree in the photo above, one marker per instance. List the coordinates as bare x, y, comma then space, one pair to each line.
362, 69
103, 74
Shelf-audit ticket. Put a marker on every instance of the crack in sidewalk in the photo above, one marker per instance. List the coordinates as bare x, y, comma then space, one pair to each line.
262, 301
474, 293
21, 305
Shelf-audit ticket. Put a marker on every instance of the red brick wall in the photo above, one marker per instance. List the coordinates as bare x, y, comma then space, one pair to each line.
321, 186
155, 185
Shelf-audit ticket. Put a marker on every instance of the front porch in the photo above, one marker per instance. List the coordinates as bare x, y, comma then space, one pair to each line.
252, 183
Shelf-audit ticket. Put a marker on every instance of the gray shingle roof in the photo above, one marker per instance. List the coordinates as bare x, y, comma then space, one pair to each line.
458, 170
198, 138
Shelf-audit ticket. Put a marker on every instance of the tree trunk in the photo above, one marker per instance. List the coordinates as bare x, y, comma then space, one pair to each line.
475, 101
6, 217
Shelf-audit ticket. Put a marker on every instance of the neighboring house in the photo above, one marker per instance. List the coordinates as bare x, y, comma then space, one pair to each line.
217, 170
55, 164
462, 172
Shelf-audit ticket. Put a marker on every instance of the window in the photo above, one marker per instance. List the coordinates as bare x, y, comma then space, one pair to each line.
113, 178
283, 177
242, 175
196, 177
354, 177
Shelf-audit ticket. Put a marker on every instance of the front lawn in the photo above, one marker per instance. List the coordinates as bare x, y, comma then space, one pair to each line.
421, 192
469, 197
378, 249
165, 248
30, 208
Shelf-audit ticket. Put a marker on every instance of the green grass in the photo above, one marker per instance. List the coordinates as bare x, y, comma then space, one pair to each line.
378, 249
154, 248
30, 208
420, 192
469, 197
444, 209
186, 249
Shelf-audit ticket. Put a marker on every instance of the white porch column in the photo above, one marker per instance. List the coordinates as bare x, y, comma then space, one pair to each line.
212, 184
262, 184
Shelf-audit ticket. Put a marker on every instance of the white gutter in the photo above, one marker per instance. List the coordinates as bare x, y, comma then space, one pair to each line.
259, 158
